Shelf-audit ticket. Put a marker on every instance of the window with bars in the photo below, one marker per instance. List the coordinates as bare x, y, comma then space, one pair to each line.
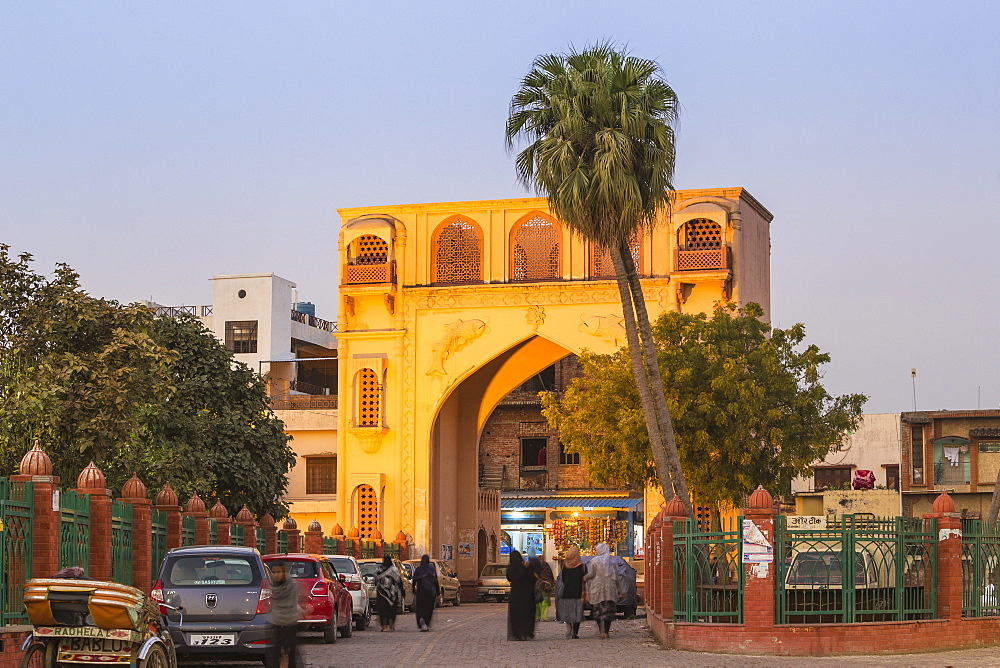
369, 399
568, 457
917, 453
368, 249
241, 336
892, 477
458, 253
321, 475
989, 446
536, 251
601, 264
832, 477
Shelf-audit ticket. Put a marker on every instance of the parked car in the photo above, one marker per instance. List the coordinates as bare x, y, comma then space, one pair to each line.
449, 588
326, 603
225, 593
369, 567
349, 568
493, 583
628, 599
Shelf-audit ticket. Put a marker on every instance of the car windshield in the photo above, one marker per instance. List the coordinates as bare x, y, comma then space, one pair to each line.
210, 569
494, 570
300, 570
369, 567
343, 565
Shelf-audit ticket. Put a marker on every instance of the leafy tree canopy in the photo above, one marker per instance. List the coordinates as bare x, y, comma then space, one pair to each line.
746, 399
93, 379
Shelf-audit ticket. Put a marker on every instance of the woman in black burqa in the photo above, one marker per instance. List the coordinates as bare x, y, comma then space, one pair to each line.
425, 586
521, 605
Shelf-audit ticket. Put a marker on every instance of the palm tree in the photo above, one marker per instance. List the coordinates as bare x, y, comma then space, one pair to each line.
601, 147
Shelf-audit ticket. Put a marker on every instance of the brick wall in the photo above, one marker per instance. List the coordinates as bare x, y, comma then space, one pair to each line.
11, 638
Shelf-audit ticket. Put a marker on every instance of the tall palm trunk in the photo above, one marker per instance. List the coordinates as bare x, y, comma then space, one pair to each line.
649, 353
641, 372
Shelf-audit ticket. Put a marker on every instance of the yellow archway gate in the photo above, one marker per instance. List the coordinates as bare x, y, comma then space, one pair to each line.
447, 307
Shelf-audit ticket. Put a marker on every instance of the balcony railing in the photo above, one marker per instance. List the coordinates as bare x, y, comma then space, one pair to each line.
702, 260
303, 402
175, 311
370, 273
946, 473
313, 321
307, 388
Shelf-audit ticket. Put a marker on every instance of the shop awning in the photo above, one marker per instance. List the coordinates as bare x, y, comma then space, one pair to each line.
523, 502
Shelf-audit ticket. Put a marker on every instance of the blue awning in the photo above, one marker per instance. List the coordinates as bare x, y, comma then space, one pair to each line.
521, 503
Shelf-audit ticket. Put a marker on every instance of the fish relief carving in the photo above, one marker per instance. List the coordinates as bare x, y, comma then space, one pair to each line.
458, 335
607, 327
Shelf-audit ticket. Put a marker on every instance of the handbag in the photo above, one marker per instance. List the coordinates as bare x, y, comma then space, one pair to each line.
539, 594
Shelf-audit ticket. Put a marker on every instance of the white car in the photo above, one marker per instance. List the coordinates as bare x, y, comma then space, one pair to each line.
349, 572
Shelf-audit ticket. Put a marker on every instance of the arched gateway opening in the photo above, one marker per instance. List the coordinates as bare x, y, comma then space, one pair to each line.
456, 513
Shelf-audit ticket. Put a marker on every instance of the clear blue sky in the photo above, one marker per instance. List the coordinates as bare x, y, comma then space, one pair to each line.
151, 145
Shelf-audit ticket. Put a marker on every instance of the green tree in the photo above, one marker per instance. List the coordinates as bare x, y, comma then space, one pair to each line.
747, 400
598, 123
97, 380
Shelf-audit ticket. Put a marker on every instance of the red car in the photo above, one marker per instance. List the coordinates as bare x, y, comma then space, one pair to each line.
324, 599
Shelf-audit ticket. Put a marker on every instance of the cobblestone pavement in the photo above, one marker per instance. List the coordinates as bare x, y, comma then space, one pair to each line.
476, 635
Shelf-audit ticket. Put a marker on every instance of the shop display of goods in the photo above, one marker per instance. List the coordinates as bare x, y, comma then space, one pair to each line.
586, 533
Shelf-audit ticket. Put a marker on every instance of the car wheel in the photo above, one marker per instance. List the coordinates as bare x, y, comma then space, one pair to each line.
37, 656
439, 601
364, 620
458, 597
347, 629
330, 632
157, 658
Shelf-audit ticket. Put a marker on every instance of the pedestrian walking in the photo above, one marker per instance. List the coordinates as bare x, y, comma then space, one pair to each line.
570, 592
425, 586
546, 587
284, 618
521, 603
389, 588
602, 589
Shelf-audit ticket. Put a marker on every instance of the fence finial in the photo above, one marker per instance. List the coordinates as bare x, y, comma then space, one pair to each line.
90, 478
35, 461
134, 488
675, 508
761, 499
943, 503
219, 511
246, 516
314, 526
195, 504
290, 525
167, 496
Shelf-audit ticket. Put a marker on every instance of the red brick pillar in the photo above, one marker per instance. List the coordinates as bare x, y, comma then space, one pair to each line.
220, 514
166, 501
404, 548
674, 512
758, 593
134, 493
291, 528
949, 593
196, 508
354, 535
379, 544
91, 482
36, 468
270, 533
245, 519
314, 538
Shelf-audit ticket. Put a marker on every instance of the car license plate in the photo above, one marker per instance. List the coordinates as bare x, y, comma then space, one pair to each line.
497, 591
103, 650
212, 639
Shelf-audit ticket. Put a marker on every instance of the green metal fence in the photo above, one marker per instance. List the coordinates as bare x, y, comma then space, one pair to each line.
213, 531
158, 544
980, 570
283, 542
708, 578
261, 540
891, 575
187, 531
329, 545
74, 530
237, 534
367, 549
17, 514
121, 542
392, 549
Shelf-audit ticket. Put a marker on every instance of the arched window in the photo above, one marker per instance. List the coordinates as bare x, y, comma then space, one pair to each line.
601, 264
700, 246
366, 503
457, 248
368, 261
369, 399
536, 250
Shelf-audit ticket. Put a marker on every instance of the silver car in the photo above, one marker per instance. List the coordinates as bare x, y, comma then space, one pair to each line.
449, 588
493, 583
350, 570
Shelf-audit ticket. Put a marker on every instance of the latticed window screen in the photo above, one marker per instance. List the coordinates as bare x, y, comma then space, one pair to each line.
367, 504
536, 251
701, 234
368, 249
369, 399
601, 264
458, 254
321, 475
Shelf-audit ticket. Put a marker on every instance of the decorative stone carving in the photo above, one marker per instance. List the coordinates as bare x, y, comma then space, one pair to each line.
458, 334
36, 462
607, 327
290, 525
246, 516
133, 488
535, 316
370, 438
195, 505
219, 511
314, 526
90, 478
167, 496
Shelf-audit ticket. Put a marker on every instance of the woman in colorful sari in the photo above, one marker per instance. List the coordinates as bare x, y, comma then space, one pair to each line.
602, 589
389, 585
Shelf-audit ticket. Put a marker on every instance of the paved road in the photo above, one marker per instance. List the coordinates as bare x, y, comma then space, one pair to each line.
476, 635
